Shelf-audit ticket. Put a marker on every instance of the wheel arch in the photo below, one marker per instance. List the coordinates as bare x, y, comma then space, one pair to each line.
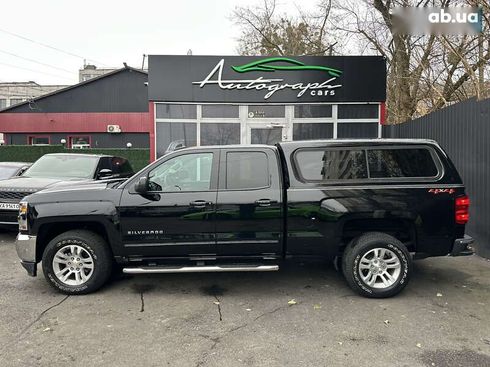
49, 230
403, 229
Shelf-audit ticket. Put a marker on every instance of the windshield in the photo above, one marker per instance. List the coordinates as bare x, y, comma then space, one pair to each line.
7, 171
63, 166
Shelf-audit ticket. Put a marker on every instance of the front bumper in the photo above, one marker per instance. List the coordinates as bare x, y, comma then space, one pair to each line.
9, 218
462, 246
26, 250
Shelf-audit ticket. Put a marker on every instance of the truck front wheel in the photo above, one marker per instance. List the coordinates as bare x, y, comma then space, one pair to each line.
77, 262
376, 265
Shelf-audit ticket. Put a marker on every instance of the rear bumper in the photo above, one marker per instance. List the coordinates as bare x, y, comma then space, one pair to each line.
25, 246
462, 246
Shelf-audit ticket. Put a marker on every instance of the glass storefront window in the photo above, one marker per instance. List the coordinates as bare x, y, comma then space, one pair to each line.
224, 124
219, 111
312, 111
266, 111
269, 136
176, 111
358, 111
220, 134
357, 130
175, 135
312, 131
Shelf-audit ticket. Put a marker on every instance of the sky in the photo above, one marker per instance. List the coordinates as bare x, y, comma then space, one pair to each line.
109, 32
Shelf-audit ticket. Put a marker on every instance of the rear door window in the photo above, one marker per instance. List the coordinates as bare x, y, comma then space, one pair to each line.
399, 163
331, 164
246, 170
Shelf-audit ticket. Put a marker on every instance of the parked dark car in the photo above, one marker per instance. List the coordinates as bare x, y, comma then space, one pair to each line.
12, 169
374, 205
57, 170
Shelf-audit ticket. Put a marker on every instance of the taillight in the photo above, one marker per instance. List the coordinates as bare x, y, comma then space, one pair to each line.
462, 209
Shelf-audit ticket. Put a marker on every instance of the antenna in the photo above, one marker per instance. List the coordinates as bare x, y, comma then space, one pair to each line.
143, 63
189, 52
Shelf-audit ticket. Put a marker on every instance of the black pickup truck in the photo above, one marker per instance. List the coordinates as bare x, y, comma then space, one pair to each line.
370, 205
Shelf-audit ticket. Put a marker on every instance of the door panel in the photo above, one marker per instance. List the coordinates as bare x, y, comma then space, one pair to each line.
249, 210
176, 218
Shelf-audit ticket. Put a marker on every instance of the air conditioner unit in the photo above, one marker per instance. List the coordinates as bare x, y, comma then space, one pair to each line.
113, 129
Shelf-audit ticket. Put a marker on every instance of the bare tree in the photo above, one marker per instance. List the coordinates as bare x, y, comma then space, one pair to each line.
425, 73
265, 32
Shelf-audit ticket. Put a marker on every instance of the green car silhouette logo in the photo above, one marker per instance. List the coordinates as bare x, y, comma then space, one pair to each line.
269, 64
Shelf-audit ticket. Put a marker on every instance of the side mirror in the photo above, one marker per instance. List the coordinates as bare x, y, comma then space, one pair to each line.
22, 170
141, 187
104, 173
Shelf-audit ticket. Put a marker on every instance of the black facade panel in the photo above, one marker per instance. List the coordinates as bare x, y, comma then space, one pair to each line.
98, 140
463, 131
122, 91
253, 79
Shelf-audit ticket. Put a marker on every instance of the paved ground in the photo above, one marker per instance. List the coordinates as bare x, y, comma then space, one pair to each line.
441, 319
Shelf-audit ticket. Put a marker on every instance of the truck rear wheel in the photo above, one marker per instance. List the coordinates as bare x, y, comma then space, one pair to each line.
77, 262
376, 265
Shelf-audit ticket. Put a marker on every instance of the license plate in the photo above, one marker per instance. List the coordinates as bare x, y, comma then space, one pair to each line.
9, 206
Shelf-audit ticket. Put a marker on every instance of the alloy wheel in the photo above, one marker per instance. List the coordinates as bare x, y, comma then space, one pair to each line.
73, 265
380, 268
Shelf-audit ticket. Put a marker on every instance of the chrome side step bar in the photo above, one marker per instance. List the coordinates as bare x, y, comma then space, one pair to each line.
199, 269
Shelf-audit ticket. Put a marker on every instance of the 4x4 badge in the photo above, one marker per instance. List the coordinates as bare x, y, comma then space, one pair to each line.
442, 191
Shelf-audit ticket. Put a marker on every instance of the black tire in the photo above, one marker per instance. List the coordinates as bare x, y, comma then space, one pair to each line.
361, 246
91, 242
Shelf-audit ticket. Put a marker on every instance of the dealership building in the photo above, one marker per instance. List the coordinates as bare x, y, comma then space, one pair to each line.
214, 100
209, 100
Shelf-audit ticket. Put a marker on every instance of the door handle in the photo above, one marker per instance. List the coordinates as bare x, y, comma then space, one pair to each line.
199, 204
264, 202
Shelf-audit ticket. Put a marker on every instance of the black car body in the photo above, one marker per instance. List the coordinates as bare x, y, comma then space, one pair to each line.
53, 170
374, 204
12, 169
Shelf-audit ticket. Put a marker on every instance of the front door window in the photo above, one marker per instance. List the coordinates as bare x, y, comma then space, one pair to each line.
188, 172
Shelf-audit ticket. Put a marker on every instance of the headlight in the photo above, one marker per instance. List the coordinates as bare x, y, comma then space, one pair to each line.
23, 216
